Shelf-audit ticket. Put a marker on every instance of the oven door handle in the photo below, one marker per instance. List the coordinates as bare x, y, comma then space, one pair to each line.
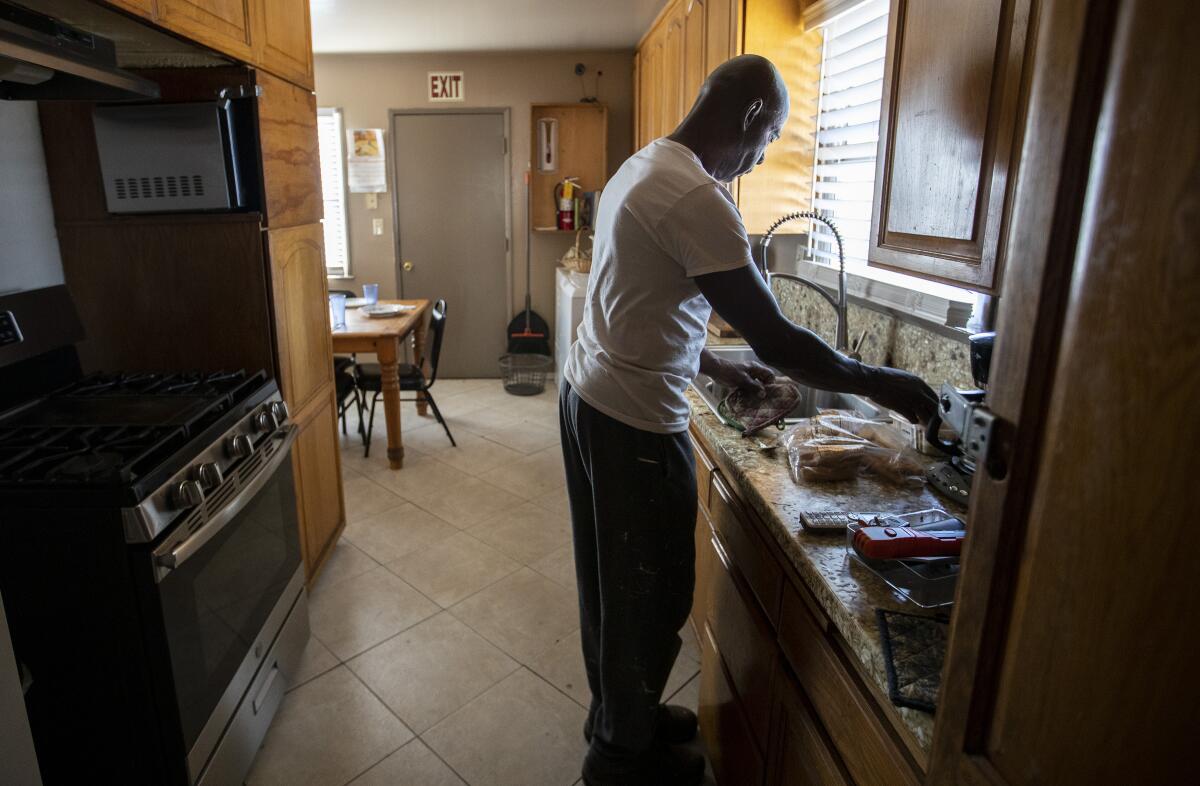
182, 552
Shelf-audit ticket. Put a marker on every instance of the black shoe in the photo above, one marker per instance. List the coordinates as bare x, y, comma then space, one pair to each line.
666, 765
676, 725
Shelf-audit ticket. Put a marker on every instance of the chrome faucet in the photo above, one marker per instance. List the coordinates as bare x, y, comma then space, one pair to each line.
842, 343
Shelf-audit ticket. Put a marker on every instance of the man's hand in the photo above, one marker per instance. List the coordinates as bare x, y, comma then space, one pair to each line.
904, 392
743, 376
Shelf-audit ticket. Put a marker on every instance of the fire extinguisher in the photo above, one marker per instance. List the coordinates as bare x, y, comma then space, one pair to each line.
564, 197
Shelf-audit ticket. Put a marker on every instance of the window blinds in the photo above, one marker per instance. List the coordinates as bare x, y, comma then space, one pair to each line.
850, 93
333, 187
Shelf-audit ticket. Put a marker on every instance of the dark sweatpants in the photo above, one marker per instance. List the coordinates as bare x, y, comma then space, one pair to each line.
633, 509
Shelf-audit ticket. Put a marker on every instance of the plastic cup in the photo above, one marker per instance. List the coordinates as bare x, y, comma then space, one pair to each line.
337, 311
371, 293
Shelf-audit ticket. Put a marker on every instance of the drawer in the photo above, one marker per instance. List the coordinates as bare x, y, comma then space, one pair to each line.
750, 556
704, 471
842, 704
801, 752
746, 642
736, 760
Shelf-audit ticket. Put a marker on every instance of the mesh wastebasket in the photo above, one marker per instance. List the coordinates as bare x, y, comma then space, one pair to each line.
525, 375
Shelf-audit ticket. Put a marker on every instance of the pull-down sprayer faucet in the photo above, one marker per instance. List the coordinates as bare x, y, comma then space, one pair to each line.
842, 343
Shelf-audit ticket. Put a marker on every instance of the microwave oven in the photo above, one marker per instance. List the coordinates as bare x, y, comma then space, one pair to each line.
166, 158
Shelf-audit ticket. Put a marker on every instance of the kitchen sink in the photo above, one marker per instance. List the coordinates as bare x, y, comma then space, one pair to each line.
811, 399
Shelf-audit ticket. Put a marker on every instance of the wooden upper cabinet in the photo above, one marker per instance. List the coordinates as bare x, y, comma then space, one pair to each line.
946, 138
651, 94
783, 183
287, 124
722, 32
301, 313
671, 109
140, 7
695, 66
283, 39
223, 25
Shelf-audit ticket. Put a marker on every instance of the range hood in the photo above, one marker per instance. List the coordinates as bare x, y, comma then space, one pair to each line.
42, 59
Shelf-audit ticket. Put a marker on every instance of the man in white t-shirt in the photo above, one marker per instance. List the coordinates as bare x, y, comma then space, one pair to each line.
670, 246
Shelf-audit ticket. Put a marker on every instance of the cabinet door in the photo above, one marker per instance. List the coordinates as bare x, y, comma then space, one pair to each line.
1071, 651
801, 752
946, 138
143, 8
727, 737
291, 159
700, 595
317, 467
222, 24
783, 183
283, 39
722, 32
746, 641
671, 110
301, 313
694, 40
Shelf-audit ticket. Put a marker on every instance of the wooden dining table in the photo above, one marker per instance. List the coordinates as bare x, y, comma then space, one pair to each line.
384, 337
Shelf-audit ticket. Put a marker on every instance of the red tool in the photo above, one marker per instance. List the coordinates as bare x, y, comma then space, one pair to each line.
904, 543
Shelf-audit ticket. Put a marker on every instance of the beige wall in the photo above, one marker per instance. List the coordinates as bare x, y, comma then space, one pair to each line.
365, 87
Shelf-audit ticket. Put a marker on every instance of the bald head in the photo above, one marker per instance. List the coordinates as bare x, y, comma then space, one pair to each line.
742, 79
741, 109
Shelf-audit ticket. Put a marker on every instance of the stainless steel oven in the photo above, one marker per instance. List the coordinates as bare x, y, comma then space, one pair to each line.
225, 584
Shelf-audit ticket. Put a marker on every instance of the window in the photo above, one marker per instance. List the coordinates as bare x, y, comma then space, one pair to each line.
331, 138
849, 103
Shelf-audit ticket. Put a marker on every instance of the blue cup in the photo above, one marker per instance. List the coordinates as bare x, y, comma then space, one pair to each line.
371, 293
337, 311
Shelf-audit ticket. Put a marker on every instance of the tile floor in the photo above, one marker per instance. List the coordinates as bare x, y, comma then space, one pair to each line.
445, 645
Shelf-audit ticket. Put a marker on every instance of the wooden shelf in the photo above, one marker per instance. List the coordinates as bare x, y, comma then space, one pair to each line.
582, 153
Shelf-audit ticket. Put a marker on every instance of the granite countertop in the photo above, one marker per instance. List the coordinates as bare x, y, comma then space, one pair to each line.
847, 592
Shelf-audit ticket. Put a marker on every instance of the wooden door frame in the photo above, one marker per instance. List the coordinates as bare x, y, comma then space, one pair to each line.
1069, 45
390, 147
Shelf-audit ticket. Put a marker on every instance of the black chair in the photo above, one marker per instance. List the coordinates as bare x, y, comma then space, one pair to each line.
370, 375
345, 381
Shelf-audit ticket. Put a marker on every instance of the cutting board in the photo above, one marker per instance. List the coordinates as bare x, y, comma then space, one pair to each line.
721, 329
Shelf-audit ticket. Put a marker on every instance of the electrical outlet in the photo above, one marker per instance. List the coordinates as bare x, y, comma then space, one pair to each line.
376, 226
372, 202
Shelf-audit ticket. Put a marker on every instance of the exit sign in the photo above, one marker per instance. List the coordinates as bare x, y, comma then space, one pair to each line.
445, 85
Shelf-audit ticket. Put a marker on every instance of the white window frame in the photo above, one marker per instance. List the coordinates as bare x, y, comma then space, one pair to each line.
335, 267
817, 260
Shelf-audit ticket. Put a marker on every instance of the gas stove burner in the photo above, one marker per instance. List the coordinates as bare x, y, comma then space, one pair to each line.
79, 456
115, 430
95, 467
205, 384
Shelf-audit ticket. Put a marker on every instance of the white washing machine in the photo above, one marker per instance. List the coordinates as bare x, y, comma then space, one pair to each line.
571, 289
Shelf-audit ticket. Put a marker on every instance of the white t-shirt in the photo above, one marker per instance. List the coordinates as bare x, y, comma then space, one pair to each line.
662, 220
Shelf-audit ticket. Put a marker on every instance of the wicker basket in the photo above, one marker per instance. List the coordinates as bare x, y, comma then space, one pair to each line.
525, 375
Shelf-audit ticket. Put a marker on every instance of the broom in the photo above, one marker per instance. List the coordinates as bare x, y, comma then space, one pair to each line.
528, 333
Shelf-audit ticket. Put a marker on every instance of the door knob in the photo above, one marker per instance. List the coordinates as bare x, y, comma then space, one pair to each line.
407, 266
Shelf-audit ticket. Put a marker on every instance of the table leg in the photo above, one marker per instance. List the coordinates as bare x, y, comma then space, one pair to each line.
419, 353
388, 353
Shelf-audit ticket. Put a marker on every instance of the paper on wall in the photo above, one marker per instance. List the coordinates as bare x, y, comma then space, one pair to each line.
366, 165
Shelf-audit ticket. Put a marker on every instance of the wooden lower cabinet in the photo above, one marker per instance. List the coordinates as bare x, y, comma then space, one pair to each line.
300, 293
305, 354
732, 750
780, 700
317, 466
801, 751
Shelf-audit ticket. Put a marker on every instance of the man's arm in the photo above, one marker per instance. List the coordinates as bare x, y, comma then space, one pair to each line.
741, 298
